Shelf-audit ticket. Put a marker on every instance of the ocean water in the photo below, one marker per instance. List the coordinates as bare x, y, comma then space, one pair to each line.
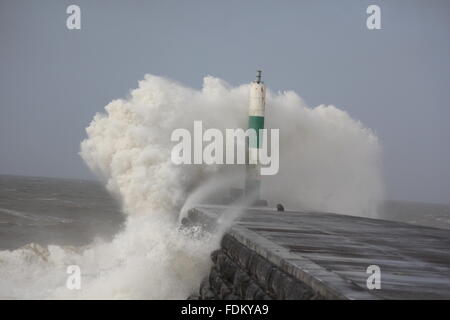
419, 213
55, 211
75, 212
48, 224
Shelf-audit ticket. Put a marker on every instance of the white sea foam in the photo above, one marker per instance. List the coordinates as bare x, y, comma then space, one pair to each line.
328, 161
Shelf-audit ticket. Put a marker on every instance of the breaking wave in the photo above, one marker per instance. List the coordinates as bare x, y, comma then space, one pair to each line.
328, 162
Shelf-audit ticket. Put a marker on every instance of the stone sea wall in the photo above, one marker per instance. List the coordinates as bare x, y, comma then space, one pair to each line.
240, 273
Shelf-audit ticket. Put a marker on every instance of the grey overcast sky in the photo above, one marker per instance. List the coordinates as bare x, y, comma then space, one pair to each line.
395, 80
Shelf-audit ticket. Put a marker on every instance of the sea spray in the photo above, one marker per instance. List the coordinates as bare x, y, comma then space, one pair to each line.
328, 161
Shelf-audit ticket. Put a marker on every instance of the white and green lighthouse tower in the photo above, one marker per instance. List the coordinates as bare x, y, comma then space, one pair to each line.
256, 111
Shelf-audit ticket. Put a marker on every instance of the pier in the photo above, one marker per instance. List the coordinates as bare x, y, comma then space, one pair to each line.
269, 254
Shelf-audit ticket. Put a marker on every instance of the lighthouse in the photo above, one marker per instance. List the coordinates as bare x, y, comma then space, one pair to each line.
256, 111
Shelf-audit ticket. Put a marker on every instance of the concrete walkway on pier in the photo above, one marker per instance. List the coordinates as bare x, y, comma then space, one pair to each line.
331, 253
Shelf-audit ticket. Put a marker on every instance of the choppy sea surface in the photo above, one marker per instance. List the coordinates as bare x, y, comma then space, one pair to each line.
75, 212
55, 211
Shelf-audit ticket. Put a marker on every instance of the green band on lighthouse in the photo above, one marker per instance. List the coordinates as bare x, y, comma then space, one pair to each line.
256, 123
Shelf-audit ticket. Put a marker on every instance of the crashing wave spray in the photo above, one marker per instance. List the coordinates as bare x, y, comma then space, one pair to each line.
328, 161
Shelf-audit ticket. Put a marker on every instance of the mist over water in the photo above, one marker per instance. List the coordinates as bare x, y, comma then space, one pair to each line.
328, 162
